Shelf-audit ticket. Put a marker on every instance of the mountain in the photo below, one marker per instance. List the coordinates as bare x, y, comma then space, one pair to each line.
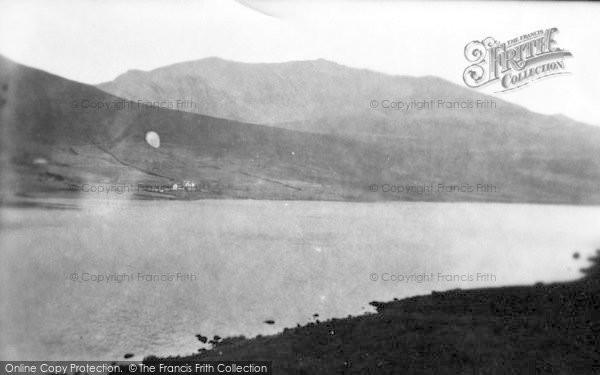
53, 140
507, 145
307, 94
326, 97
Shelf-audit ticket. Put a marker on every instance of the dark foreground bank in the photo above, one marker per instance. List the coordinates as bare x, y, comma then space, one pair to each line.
526, 329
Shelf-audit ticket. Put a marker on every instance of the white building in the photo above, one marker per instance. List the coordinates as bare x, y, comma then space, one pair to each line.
189, 185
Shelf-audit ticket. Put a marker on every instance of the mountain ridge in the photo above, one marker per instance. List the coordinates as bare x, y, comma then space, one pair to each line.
529, 158
305, 66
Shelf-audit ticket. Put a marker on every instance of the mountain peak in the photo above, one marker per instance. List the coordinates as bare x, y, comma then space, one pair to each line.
273, 92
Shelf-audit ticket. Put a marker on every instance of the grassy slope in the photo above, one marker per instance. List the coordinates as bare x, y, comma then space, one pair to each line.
540, 329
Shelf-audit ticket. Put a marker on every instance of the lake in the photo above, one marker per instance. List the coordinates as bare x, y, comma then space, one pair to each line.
114, 276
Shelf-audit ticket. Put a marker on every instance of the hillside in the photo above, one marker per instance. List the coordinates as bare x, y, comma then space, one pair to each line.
50, 144
107, 145
542, 329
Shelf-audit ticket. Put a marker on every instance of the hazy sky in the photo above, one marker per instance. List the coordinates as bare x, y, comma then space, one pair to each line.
93, 41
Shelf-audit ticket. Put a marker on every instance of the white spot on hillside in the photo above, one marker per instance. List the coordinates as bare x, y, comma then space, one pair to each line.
153, 139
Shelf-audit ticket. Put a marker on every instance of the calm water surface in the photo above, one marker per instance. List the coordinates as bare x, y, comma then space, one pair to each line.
244, 262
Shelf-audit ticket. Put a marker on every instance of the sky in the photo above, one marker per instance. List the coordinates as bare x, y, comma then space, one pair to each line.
92, 42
